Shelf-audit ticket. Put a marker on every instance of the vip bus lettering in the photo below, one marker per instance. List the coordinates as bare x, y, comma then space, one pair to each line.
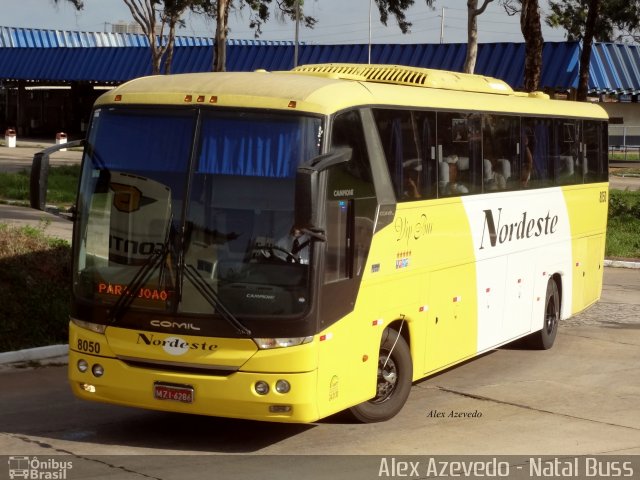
525, 228
407, 231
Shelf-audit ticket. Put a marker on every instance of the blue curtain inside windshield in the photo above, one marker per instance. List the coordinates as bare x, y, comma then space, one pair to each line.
154, 141
257, 145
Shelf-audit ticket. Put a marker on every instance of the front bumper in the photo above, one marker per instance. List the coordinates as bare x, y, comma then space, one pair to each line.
231, 396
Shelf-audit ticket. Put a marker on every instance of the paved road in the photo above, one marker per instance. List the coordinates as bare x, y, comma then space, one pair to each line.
580, 398
624, 183
20, 158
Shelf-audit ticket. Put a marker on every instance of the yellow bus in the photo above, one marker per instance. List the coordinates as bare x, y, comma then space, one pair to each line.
283, 246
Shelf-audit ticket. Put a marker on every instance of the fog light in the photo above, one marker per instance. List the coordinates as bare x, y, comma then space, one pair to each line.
262, 388
83, 366
282, 386
97, 370
88, 388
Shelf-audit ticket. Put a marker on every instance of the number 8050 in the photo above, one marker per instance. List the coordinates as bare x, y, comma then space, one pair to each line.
88, 346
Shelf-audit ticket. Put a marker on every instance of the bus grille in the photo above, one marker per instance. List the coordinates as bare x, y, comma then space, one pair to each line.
197, 369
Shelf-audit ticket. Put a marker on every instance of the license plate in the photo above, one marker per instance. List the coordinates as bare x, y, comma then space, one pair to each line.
176, 393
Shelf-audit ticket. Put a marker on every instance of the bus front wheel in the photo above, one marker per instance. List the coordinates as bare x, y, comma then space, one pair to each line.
544, 339
393, 382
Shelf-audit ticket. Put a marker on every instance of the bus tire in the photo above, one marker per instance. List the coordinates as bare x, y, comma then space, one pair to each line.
393, 383
544, 339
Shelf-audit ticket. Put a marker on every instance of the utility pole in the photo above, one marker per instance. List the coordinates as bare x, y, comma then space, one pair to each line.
295, 48
370, 3
442, 26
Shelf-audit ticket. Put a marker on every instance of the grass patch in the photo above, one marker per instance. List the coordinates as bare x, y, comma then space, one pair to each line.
631, 156
623, 228
35, 288
62, 186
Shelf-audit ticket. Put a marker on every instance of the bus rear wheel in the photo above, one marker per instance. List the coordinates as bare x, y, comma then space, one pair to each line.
544, 339
393, 382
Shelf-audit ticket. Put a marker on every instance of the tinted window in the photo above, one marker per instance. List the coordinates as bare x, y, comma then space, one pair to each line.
408, 139
501, 161
595, 151
568, 164
460, 153
537, 168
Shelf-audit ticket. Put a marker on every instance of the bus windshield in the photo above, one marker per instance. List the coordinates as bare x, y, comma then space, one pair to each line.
188, 211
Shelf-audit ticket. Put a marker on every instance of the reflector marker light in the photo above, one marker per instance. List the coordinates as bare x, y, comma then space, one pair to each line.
487, 290
200, 99
519, 280
577, 264
292, 104
279, 408
213, 99
117, 98
188, 98
424, 308
326, 336
457, 299
377, 322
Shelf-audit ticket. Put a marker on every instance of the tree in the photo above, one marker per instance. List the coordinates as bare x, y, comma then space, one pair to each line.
153, 16
531, 29
79, 4
591, 20
397, 9
616, 19
472, 33
259, 13
587, 44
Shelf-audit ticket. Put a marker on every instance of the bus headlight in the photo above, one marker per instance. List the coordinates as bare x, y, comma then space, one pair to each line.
269, 343
94, 327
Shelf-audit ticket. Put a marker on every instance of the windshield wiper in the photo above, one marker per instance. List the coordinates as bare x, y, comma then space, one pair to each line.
211, 296
141, 277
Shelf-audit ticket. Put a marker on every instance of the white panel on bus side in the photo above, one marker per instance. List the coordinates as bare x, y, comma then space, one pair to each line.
490, 281
520, 239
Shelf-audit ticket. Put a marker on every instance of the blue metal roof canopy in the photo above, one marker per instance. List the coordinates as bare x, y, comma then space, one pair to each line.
65, 56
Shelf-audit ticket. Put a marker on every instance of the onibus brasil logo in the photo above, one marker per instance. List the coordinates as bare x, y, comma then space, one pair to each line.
36, 469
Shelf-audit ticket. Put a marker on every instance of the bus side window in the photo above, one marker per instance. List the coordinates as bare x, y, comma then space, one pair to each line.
537, 167
408, 139
595, 152
568, 163
460, 154
500, 137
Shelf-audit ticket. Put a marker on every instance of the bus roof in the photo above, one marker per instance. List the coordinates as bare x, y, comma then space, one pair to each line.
328, 88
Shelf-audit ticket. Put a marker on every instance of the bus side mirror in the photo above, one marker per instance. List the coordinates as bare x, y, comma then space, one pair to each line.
38, 181
307, 189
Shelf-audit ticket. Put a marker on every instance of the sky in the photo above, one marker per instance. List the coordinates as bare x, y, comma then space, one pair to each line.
339, 21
